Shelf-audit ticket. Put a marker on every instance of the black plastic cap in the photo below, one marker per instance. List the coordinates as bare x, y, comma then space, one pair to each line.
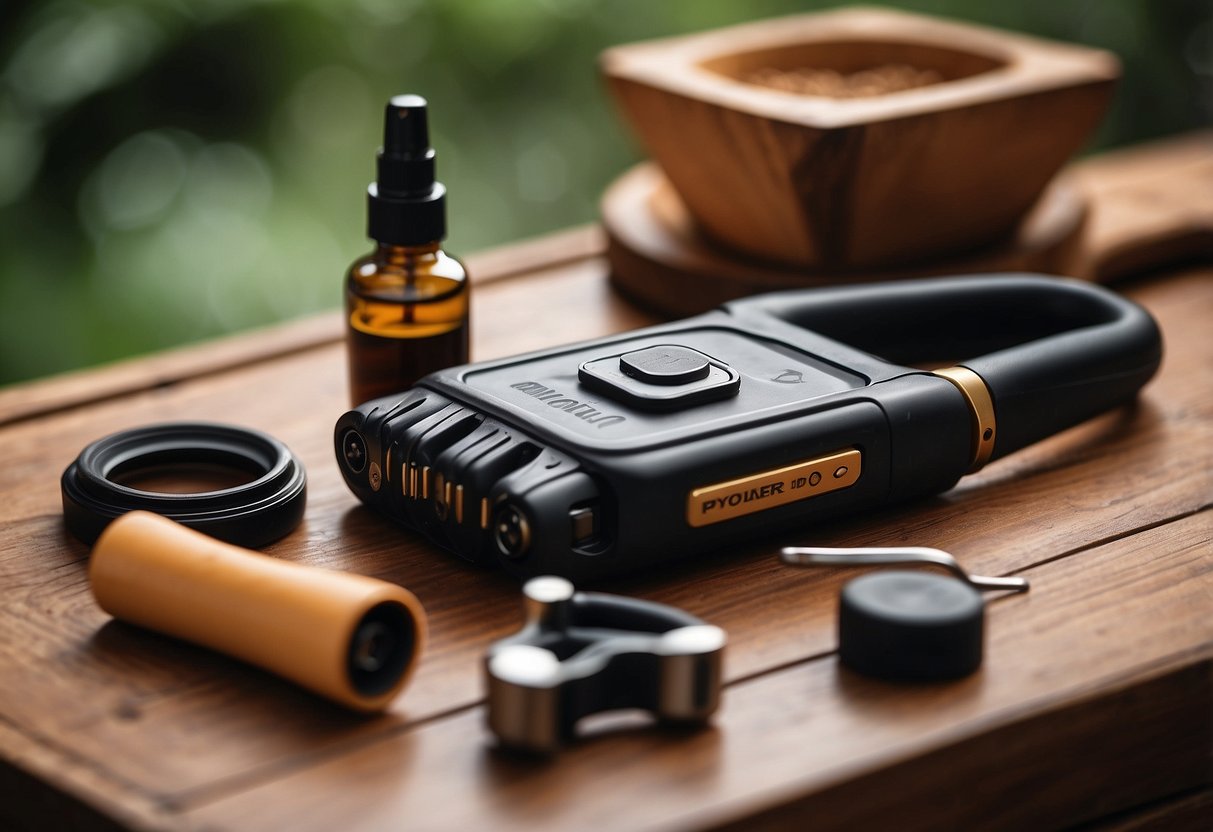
406, 205
910, 626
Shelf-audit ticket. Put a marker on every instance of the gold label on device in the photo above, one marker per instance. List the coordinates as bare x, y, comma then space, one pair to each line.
768, 489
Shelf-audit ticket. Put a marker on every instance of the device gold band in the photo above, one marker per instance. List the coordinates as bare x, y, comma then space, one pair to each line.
981, 412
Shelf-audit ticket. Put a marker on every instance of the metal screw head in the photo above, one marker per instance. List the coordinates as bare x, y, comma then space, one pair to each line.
375, 476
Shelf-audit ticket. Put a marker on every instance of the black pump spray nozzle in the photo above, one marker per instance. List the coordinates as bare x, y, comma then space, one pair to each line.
405, 206
406, 161
405, 132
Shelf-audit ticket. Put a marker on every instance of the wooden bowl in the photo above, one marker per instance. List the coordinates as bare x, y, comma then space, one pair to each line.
889, 179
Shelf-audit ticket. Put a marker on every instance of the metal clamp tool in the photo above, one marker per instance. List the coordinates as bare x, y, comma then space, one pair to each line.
580, 653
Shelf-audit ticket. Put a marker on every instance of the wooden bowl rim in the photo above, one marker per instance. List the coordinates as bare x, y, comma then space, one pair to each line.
1030, 65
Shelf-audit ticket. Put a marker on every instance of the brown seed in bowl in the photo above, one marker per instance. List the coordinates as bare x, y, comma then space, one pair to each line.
878, 80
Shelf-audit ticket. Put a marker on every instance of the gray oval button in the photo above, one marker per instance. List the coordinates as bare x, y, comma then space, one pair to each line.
665, 364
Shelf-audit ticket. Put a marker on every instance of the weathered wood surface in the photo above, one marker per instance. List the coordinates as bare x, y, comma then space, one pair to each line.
999, 750
1094, 700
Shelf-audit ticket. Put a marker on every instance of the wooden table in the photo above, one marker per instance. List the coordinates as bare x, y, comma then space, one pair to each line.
1095, 703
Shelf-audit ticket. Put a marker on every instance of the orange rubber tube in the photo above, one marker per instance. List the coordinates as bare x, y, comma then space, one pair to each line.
348, 637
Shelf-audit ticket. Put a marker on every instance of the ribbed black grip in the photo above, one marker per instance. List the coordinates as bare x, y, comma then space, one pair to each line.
1053, 351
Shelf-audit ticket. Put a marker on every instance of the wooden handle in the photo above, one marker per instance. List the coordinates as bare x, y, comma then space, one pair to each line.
350, 638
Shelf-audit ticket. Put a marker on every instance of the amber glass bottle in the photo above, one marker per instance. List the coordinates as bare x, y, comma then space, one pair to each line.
407, 301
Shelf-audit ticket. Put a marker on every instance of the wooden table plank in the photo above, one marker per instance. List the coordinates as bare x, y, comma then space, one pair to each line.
146, 729
797, 733
181, 723
1188, 813
141, 727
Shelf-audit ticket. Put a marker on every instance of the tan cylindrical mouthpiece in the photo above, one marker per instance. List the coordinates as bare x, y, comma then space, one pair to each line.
351, 638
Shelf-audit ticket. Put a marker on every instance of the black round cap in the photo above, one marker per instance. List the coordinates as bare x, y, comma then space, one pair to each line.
910, 626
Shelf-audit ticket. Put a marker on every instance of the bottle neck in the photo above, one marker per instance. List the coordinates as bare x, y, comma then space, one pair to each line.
397, 255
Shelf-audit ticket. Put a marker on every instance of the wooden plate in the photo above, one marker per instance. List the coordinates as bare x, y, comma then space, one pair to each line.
661, 260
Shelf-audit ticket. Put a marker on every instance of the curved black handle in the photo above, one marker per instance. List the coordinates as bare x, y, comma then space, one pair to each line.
1052, 351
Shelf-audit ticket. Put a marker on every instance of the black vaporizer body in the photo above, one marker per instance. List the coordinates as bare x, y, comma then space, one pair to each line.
609, 456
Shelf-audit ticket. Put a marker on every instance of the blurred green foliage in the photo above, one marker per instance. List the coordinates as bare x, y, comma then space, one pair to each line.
175, 169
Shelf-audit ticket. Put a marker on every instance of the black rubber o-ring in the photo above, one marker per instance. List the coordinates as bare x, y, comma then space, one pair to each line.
251, 514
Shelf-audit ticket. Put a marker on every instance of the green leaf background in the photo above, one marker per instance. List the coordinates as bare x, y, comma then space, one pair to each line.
171, 170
